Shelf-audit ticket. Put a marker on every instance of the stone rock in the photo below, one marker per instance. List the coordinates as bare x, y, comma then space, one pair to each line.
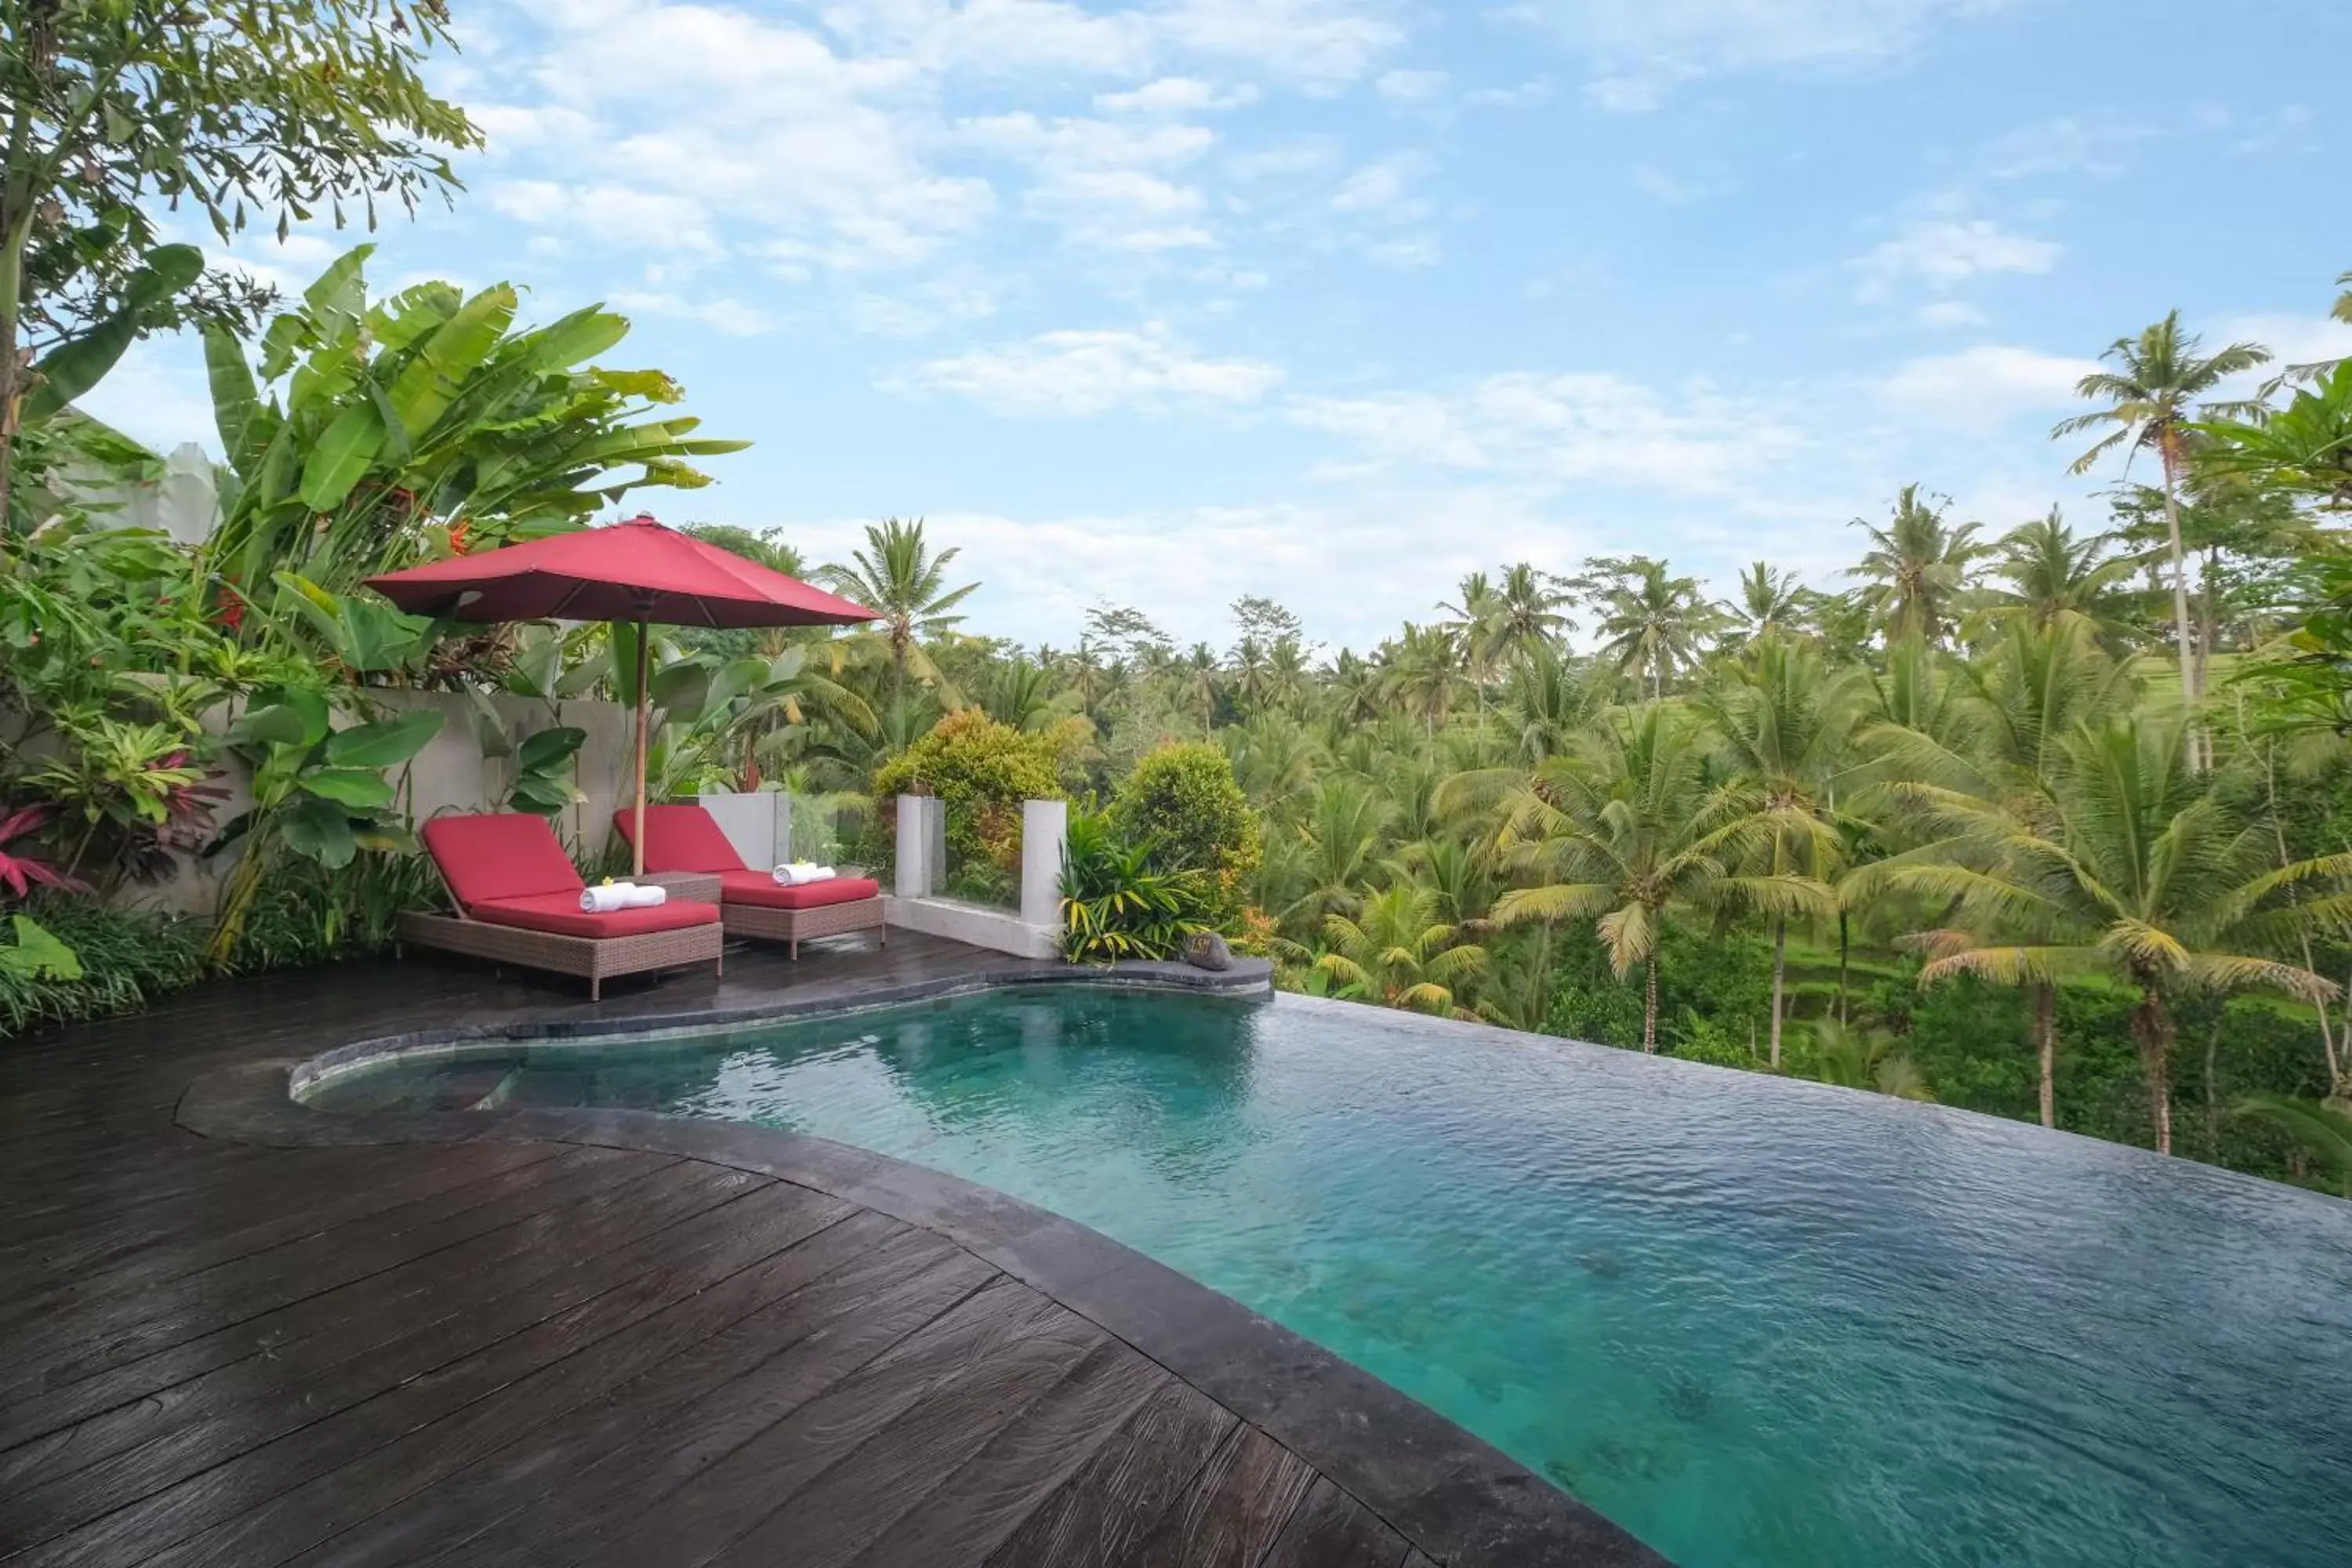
1207, 949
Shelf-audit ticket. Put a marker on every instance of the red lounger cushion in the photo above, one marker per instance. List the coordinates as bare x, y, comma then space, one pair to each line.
680, 838
561, 914
762, 889
510, 855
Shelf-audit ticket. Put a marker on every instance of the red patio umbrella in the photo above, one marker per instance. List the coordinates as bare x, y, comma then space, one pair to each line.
635, 571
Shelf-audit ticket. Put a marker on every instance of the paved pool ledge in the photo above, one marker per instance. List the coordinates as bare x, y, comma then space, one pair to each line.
1456, 1499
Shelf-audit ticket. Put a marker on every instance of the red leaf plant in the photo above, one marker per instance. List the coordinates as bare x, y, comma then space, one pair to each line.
21, 873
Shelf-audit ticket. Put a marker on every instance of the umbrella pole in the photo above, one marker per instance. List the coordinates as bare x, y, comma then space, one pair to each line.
645, 709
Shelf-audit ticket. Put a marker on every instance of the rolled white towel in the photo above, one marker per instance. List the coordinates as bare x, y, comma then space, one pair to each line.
793, 873
605, 897
636, 898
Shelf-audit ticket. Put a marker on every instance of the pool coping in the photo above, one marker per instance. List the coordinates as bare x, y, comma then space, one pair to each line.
1455, 1497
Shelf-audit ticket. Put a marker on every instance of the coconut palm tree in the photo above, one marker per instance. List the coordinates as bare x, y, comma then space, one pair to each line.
1343, 831
1530, 609
1626, 828
1768, 600
1421, 669
2158, 383
899, 578
1398, 954
2141, 869
1652, 623
1917, 567
2052, 572
1785, 721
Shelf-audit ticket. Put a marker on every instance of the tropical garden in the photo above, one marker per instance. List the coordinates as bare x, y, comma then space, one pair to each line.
2047, 817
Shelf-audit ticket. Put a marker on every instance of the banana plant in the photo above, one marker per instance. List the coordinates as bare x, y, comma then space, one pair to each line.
364, 436
543, 763
317, 792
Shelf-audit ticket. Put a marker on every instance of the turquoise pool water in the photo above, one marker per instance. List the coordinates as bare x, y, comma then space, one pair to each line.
1755, 1321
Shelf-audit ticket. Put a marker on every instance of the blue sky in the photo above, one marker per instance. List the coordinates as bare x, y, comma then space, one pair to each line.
1334, 300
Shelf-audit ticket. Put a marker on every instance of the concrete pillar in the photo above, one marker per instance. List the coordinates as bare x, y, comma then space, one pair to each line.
922, 844
1044, 830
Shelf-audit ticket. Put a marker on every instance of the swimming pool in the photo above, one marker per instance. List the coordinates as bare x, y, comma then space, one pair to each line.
1755, 1321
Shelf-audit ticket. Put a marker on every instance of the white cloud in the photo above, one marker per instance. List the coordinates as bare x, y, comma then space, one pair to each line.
1319, 44
1081, 373
1176, 95
2291, 340
511, 127
1641, 49
1986, 384
1563, 426
2090, 143
1105, 182
615, 216
1943, 253
924, 310
1379, 187
767, 138
1411, 86
731, 317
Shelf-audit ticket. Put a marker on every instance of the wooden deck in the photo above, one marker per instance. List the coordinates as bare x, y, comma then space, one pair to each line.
557, 1350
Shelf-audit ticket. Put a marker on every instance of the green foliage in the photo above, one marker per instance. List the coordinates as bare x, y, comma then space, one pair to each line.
1118, 902
2324, 1131
543, 770
320, 794
377, 434
983, 770
1182, 800
307, 912
118, 110
122, 960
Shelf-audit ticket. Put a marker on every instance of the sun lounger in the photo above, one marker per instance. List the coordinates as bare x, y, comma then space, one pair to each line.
687, 839
517, 900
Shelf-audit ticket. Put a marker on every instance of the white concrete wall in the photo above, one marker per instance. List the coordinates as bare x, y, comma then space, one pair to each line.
1032, 931
760, 824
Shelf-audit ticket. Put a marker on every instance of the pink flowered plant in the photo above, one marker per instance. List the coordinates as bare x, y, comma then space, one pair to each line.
20, 874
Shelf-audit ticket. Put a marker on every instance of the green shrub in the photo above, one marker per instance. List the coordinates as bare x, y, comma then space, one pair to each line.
1699, 1038
1117, 903
305, 913
1182, 802
983, 770
128, 957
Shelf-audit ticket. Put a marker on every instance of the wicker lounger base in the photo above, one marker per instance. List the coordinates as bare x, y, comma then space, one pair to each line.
796, 926
593, 958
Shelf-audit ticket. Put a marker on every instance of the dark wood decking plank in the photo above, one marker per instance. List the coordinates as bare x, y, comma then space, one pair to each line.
285, 1496
744, 1462
1116, 1497
875, 1281
1068, 1380
1332, 1530
1236, 1509
189, 1237
420, 1291
971, 1512
130, 1183
632, 1481
66, 1348
217, 1416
